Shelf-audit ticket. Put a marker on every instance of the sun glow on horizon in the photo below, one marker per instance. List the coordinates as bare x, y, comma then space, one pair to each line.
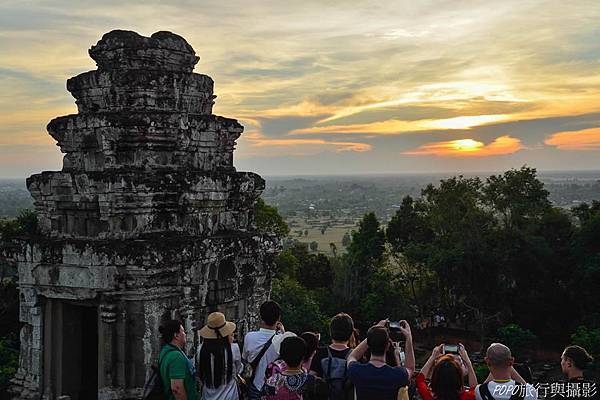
466, 145
469, 148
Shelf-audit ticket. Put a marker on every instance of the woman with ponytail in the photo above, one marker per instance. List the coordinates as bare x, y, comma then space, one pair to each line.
573, 361
219, 359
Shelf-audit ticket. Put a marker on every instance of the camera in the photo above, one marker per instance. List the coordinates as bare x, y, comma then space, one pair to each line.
394, 326
450, 349
394, 331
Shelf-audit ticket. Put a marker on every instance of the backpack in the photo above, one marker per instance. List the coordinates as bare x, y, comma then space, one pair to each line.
246, 378
154, 389
335, 373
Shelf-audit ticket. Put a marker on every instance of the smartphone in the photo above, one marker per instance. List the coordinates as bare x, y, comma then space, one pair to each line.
394, 325
450, 349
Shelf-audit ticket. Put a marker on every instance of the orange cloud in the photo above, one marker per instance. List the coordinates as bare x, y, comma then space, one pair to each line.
585, 139
316, 143
395, 127
256, 144
469, 148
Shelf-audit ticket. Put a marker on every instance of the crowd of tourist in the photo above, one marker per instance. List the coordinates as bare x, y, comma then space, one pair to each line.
275, 364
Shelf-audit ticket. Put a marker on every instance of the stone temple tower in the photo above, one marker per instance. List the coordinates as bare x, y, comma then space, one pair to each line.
148, 220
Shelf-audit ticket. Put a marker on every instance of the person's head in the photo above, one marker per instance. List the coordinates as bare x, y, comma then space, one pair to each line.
498, 357
341, 328
172, 332
378, 340
292, 351
446, 378
461, 363
574, 359
270, 312
312, 343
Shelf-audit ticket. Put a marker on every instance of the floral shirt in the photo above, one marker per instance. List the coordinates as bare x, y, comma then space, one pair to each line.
288, 387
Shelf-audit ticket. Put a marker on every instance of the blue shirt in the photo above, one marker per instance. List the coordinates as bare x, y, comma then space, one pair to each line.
380, 383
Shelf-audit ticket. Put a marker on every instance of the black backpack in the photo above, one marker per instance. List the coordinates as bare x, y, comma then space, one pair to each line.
154, 388
335, 373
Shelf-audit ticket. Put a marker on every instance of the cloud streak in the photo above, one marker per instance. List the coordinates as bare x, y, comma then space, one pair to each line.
502, 145
583, 140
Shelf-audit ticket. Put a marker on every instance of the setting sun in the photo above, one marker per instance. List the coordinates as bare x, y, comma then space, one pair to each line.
466, 145
502, 145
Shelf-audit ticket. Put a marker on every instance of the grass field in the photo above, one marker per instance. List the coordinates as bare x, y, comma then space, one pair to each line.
333, 234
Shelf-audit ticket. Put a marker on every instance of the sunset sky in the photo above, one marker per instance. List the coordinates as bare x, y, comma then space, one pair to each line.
337, 87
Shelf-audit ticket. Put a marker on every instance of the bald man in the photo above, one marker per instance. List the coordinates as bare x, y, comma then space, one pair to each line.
504, 382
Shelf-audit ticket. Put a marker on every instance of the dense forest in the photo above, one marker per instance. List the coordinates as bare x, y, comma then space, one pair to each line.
493, 257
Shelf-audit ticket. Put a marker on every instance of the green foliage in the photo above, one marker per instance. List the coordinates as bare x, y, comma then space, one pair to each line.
364, 255
481, 371
9, 361
346, 240
520, 341
491, 252
314, 246
367, 243
589, 339
518, 196
315, 269
407, 225
286, 264
26, 223
301, 312
268, 219
386, 298
585, 211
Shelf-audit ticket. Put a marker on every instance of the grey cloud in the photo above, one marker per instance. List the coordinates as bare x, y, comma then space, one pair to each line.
533, 132
279, 127
287, 69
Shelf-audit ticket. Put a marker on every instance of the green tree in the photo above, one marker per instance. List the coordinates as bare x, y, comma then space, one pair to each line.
301, 312
268, 219
518, 196
521, 341
407, 225
333, 249
589, 339
584, 273
315, 269
365, 252
585, 211
368, 241
314, 246
9, 361
459, 247
287, 265
346, 240
26, 223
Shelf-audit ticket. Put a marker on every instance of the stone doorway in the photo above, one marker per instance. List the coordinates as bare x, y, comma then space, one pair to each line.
71, 350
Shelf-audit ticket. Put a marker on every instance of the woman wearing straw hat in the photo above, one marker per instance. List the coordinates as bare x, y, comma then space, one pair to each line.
219, 359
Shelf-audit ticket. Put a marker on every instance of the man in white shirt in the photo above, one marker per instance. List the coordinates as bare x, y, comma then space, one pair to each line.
504, 382
254, 342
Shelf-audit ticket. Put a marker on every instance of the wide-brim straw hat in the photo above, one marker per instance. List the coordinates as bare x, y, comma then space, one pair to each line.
279, 338
216, 326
